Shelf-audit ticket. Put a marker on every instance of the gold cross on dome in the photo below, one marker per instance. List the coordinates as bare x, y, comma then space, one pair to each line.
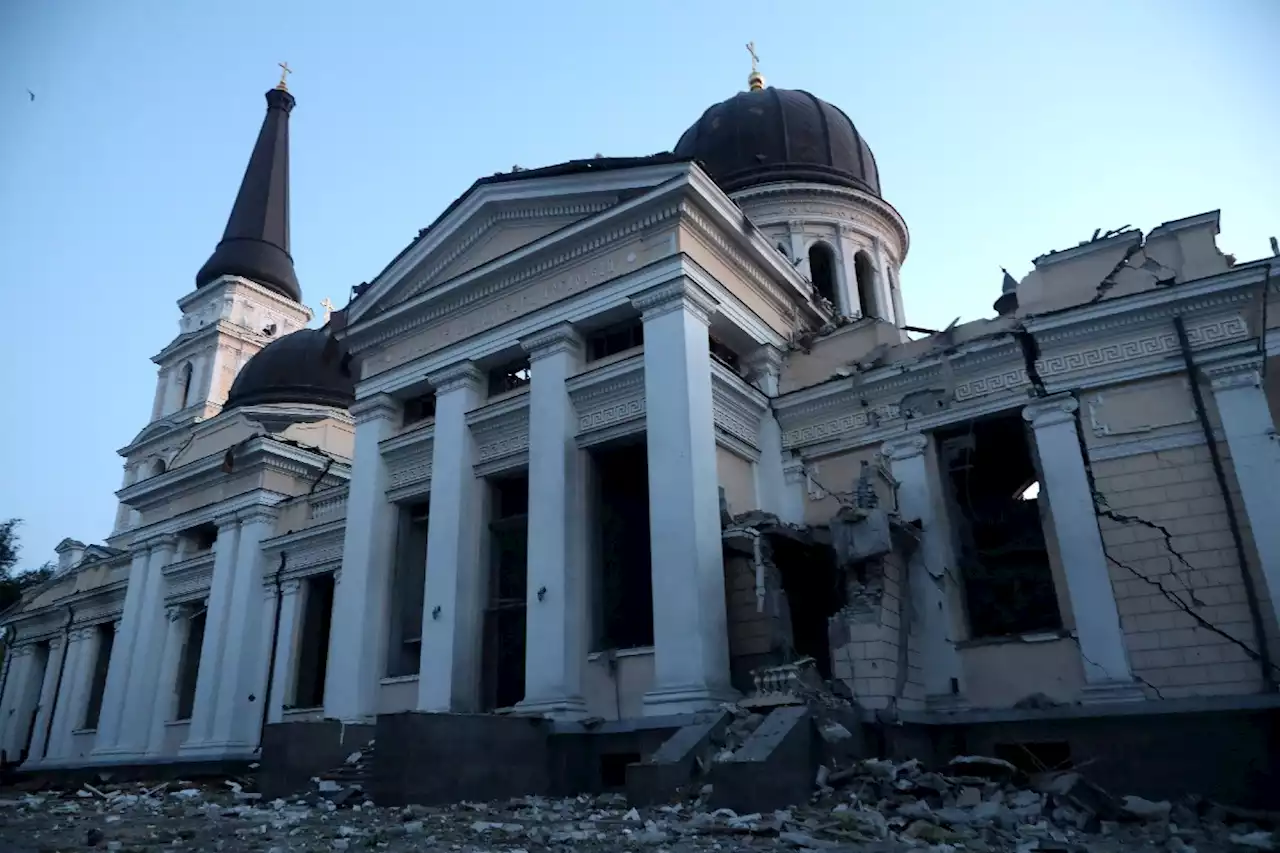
285, 71
328, 307
755, 60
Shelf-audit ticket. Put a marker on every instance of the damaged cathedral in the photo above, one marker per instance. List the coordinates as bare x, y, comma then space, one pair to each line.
617, 441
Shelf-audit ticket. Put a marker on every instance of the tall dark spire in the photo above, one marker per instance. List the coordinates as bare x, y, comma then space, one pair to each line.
256, 242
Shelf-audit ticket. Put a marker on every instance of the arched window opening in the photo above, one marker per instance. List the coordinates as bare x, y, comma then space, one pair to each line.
157, 468
822, 271
185, 379
865, 272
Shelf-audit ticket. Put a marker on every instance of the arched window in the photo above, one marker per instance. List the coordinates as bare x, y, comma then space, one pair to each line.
185, 379
157, 468
822, 271
865, 272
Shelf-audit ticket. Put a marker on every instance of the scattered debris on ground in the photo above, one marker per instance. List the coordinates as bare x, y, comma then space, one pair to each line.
979, 804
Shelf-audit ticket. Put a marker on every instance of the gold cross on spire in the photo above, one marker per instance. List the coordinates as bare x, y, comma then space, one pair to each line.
755, 80
285, 71
328, 307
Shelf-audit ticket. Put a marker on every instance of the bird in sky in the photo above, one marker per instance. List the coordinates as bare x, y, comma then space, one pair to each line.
31, 94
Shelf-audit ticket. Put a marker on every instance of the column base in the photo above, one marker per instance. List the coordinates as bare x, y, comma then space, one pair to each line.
216, 749
565, 708
687, 700
1111, 692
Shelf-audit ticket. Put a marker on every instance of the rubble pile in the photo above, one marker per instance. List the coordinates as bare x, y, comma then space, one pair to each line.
980, 804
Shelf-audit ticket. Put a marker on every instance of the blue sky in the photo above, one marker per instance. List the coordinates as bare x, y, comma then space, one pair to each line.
1002, 130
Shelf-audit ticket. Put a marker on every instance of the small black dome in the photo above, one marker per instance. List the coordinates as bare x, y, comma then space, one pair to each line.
307, 366
766, 135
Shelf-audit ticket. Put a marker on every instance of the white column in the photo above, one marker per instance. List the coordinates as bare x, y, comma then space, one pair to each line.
691, 647
282, 678
208, 678
52, 673
453, 603
918, 501
557, 615
76, 680
19, 698
242, 677
361, 604
166, 688
1255, 457
764, 369
106, 741
1084, 562
144, 669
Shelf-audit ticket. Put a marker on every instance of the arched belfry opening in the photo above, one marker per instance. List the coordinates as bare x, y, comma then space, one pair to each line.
822, 271
865, 273
187, 371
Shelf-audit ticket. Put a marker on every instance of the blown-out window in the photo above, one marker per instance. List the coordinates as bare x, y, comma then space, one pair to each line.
822, 271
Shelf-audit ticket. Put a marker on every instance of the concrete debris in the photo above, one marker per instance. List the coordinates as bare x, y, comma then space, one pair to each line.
980, 804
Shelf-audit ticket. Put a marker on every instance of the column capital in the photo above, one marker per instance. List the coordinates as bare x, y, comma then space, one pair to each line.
294, 586
226, 520
81, 634
1235, 373
681, 294
259, 513
1050, 411
374, 408
793, 472
765, 362
174, 612
158, 541
903, 447
561, 338
463, 375
23, 650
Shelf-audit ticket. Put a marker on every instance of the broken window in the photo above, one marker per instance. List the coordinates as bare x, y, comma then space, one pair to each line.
989, 472
420, 408
722, 353
313, 652
624, 579
865, 273
504, 641
105, 636
510, 376
822, 271
615, 339
404, 650
189, 665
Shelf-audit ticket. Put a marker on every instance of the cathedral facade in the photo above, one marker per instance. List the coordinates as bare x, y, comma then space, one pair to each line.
610, 436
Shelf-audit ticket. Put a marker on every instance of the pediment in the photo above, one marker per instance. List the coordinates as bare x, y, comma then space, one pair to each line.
217, 436
499, 216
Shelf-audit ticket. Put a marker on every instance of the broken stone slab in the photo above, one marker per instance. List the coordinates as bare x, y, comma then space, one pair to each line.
1139, 808
774, 768
672, 766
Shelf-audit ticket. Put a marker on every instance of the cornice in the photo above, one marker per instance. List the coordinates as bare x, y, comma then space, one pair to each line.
322, 535
379, 407
1239, 372
475, 200
216, 290
422, 434
737, 408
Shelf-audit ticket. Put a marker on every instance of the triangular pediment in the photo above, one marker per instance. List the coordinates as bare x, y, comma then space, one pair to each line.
499, 216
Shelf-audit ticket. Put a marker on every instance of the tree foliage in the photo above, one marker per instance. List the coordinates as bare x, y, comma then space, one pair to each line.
13, 584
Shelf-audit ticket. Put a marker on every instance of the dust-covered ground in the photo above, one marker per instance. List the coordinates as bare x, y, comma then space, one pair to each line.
981, 805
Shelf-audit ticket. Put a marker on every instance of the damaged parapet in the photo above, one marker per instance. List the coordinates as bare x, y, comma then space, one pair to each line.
873, 639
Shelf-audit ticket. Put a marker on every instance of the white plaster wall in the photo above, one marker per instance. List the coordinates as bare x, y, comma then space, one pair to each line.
999, 674
634, 678
398, 694
175, 733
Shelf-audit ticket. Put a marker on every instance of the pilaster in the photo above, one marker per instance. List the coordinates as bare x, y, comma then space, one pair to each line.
48, 689
282, 678
1084, 561
764, 370
691, 650
453, 602
557, 614
177, 621
356, 659
1255, 457
918, 501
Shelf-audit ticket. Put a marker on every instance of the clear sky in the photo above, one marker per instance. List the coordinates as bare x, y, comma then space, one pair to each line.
1002, 130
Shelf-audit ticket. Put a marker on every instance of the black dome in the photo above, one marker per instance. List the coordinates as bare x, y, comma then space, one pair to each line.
757, 137
307, 366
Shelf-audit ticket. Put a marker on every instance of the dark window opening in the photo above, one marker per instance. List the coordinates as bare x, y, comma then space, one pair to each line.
405, 648
187, 371
504, 622
420, 408
509, 377
613, 770
624, 578
189, 667
35, 685
815, 591
157, 468
1004, 561
313, 655
722, 353
1032, 758
615, 339
106, 638
203, 536
865, 272
822, 271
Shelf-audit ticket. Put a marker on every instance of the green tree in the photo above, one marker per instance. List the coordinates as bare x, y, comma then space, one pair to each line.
13, 584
